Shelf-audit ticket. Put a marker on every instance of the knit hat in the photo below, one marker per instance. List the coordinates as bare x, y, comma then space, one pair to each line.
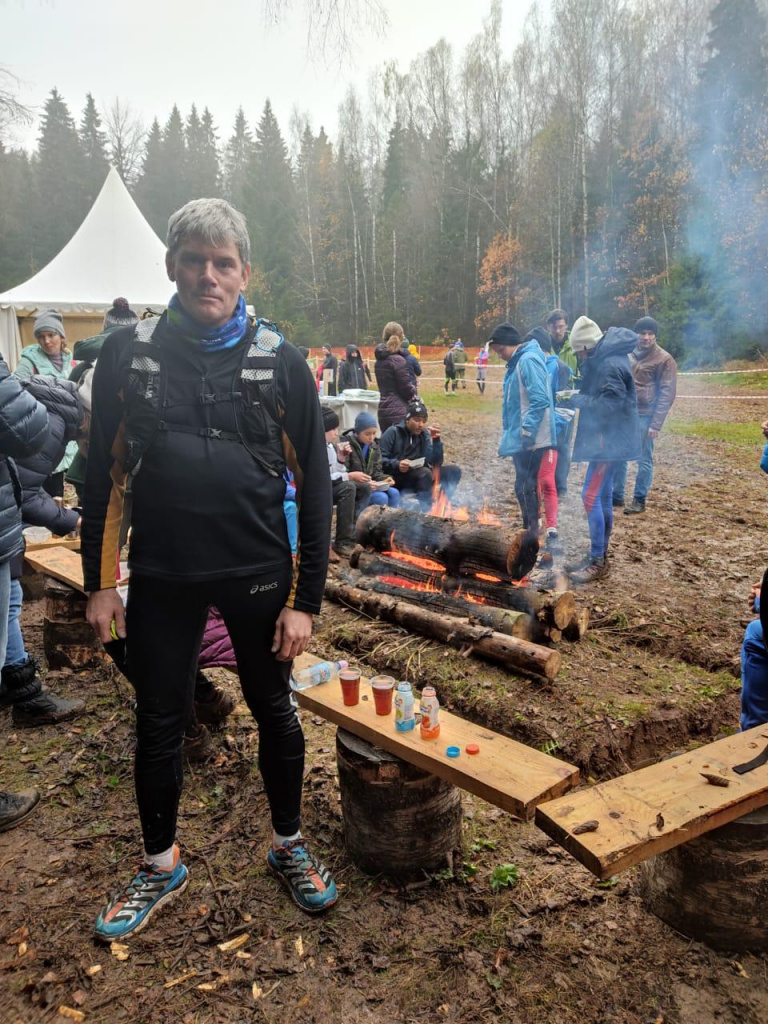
120, 315
330, 419
326, 347
541, 336
49, 320
505, 334
585, 334
416, 409
647, 323
364, 421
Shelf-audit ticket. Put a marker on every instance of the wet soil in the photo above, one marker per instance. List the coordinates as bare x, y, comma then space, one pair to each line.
657, 671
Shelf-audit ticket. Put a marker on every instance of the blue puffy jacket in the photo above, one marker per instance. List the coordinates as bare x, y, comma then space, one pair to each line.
23, 430
528, 412
609, 428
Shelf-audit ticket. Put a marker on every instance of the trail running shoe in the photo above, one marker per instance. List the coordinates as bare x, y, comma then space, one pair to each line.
596, 570
309, 883
128, 911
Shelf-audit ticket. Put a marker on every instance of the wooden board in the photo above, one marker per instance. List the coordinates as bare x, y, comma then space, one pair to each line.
73, 543
652, 810
60, 563
505, 772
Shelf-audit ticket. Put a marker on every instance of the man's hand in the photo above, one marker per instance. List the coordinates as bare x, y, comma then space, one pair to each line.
292, 632
359, 477
653, 434
764, 428
104, 608
434, 431
405, 466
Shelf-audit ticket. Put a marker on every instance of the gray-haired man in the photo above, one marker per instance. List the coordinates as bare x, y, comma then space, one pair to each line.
204, 408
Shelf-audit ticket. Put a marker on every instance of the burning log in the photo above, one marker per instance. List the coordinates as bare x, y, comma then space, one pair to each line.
462, 547
505, 650
502, 620
555, 608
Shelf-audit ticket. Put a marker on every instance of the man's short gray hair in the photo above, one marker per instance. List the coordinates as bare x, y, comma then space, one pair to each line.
212, 220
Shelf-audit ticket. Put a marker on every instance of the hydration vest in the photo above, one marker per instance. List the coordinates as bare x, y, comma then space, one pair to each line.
253, 396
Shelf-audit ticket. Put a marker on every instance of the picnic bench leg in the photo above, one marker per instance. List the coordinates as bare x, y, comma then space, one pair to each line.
399, 821
714, 888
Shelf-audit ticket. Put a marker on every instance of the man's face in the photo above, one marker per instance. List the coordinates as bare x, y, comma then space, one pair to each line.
557, 330
646, 339
367, 436
209, 279
50, 342
415, 425
504, 352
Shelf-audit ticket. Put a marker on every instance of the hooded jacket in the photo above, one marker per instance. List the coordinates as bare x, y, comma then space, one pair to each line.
655, 373
369, 463
353, 373
23, 430
398, 443
38, 508
395, 386
414, 366
33, 363
609, 428
528, 412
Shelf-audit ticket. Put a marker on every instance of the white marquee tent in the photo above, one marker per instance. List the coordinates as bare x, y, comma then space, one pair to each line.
113, 252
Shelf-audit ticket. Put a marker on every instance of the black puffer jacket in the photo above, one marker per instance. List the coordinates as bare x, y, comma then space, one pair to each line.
609, 428
395, 386
60, 398
23, 430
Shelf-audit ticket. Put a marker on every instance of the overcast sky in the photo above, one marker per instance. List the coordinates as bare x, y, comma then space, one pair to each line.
153, 53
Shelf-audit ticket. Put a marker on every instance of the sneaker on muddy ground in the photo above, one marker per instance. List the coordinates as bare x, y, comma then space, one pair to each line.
16, 807
308, 882
617, 502
595, 570
45, 709
130, 910
344, 547
635, 507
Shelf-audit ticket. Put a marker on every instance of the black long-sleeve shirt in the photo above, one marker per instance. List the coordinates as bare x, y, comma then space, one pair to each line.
204, 508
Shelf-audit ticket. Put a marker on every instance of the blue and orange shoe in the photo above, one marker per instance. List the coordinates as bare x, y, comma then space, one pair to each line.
309, 883
130, 910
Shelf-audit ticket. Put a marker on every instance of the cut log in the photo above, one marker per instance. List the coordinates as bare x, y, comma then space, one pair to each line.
502, 620
556, 608
68, 640
462, 547
519, 655
710, 888
578, 625
399, 820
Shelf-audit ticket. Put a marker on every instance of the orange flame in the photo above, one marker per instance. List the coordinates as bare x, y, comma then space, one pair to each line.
488, 518
422, 563
398, 581
486, 576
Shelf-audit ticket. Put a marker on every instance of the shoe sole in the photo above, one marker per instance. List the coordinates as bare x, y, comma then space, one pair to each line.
169, 897
18, 821
24, 722
289, 889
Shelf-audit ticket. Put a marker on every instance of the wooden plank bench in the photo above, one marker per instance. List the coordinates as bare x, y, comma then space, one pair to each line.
505, 773
59, 562
647, 812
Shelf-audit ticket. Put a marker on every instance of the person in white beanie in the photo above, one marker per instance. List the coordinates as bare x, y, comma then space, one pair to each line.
608, 432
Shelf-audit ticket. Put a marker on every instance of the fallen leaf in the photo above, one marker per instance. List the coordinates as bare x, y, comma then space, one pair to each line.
22, 949
67, 1011
180, 980
119, 950
236, 943
257, 992
302, 1002
739, 969
79, 997
93, 969
20, 935
299, 946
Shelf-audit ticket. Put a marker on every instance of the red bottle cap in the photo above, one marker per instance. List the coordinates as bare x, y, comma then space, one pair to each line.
472, 748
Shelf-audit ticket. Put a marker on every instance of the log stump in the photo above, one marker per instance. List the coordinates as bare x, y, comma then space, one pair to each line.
714, 888
399, 821
68, 641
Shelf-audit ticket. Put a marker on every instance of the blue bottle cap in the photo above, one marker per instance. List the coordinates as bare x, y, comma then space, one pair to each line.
452, 751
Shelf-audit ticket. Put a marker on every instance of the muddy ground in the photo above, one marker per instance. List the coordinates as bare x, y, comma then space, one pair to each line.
656, 672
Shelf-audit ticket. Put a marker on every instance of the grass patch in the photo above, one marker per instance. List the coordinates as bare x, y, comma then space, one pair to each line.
746, 434
463, 401
743, 381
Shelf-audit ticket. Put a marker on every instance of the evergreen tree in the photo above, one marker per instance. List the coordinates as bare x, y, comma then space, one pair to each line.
149, 188
93, 140
62, 202
208, 157
16, 200
236, 161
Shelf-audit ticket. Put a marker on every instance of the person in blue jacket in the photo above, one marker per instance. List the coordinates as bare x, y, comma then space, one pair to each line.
608, 432
754, 655
528, 416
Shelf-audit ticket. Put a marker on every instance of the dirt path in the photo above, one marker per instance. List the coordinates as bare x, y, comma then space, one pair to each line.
657, 670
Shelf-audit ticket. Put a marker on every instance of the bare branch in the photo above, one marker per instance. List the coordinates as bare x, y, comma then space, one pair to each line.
331, 24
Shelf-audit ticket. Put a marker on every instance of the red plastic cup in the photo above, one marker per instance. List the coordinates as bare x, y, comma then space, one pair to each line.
383, 688
350, 686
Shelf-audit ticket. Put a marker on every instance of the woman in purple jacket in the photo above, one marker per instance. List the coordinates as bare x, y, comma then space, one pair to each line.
396, 386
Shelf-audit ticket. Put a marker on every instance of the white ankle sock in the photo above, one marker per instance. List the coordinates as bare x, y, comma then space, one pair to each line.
164, 860
278, 841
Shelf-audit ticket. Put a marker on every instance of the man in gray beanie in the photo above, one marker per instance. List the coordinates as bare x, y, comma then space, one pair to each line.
655, 373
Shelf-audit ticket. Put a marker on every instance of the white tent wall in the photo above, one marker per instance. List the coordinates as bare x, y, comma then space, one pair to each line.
113, 252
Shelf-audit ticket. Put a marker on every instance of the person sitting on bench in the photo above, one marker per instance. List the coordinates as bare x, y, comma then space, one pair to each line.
754, 662
365, 457
410, 451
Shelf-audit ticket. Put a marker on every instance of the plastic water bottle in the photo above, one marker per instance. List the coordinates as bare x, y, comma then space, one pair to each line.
405, 718
323, 672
